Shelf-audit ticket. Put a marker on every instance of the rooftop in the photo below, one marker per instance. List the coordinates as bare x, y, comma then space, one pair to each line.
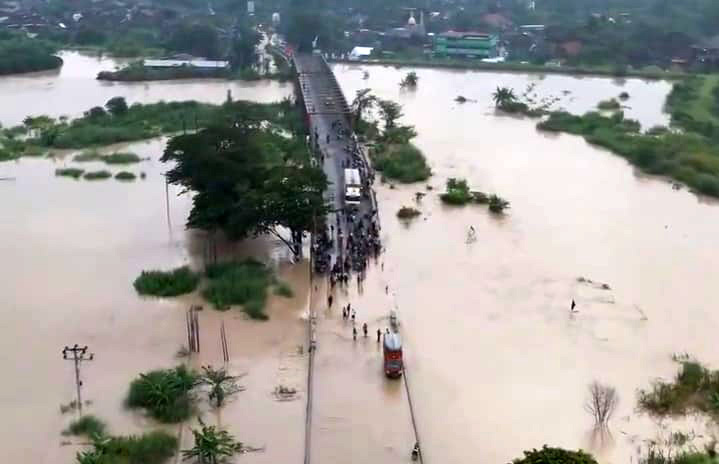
461, 35
178, 63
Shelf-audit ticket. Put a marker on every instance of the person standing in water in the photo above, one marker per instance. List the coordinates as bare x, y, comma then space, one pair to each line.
364, 329
574, 305
379, 334
354, 333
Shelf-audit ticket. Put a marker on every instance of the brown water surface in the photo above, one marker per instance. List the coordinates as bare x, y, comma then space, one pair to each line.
498, 363
71, 249
74, 89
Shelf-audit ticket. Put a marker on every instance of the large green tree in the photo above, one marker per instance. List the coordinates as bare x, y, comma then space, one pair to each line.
247, 180
244, 46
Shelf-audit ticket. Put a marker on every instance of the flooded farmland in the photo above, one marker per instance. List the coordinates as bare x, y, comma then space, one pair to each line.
497, 363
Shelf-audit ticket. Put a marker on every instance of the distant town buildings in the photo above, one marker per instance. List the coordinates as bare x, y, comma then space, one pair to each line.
465, 44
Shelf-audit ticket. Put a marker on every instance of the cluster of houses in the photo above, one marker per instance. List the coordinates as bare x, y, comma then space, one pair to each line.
520, 43
101, 13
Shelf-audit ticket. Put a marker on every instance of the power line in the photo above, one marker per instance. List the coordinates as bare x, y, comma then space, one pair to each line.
77, 354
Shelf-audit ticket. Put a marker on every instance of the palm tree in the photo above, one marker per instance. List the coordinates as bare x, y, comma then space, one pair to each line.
503, 96
212, 445
497, 204
221, 384
410, 80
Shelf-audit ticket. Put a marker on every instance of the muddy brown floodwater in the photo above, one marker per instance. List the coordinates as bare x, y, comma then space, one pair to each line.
497, 363
73, 89
71, 250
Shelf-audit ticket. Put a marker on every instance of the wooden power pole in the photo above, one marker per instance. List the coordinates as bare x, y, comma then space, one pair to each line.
77, 354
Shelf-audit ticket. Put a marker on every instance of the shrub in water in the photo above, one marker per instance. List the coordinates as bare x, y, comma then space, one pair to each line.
121, 158
497, 204
88, 425
457, 192
611, 104
694, 389
124, 175
90, 155
75, 173
239, 283
154, 447
165, 394
405, 163
97, 175
167, 283
407, 212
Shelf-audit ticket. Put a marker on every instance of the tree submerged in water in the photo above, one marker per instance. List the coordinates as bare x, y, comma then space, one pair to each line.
221, 384
410, 80
601, 403
503, 96
248, 180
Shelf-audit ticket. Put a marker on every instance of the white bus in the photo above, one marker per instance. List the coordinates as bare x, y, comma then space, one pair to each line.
353, 187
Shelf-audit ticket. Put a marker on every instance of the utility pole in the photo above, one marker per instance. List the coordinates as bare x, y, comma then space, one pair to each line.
77, 354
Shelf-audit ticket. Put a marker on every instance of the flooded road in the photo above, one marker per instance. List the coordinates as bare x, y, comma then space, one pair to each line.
498, 363
73, 89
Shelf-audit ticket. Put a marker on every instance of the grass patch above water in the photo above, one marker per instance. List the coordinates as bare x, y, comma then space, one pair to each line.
125, 175
88, 425
687, 157
121, 158
404, 163
167, 283
86, 156
695, 388
97, 175
239, 283
150, 448
114, 158
75, 173
164, 394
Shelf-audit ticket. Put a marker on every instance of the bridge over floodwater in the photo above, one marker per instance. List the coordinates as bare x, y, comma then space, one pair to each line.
354, 414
